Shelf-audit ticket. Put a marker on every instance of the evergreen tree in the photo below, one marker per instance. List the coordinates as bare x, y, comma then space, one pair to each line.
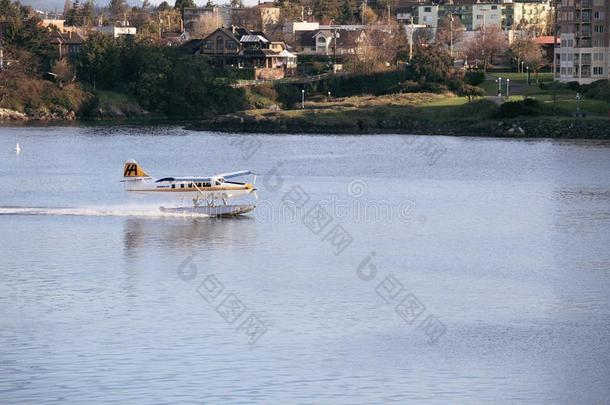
117, 9
347, 11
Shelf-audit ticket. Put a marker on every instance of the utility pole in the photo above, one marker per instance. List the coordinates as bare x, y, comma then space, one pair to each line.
335, 51
411, 40
451, 36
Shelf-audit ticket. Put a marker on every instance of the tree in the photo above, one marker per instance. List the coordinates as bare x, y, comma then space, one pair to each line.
347, 12
99, 61
117, 9
470, 91
182, 4
63, 72
237, 3
431, 64
518, 49
67, 7
163, 6
327, 10
368, 15
487, 43
450, 32
204, 26
534, 58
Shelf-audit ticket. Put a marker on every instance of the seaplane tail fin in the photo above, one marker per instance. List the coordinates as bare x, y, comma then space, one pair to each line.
133, 170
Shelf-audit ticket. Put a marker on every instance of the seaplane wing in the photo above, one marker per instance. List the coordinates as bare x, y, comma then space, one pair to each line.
202, 190
235, 174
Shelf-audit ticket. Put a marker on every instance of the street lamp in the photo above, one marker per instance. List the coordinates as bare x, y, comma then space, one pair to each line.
303, 98
328, 96
507, 88
528, 75
499, 86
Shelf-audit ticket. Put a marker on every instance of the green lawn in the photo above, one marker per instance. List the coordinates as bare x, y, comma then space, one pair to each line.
562, 101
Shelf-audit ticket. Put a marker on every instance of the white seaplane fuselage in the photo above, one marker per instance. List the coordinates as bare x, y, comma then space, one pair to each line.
193, 188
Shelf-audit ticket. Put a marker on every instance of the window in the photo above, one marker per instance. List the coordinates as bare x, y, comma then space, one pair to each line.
182, 185
323, 40
220, 43
427, 9
598, 28
598, 71
231, 45
494, 7
479, 16
173, 186
190, 185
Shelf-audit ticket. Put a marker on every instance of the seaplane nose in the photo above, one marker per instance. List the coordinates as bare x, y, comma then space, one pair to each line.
250, 187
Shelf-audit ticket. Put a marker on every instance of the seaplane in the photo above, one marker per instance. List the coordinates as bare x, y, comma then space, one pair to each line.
204, 192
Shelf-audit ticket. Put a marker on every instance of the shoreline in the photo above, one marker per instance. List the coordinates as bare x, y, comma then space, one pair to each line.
568, 128
540, 128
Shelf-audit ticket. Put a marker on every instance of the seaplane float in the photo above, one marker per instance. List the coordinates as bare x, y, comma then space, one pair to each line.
204, 192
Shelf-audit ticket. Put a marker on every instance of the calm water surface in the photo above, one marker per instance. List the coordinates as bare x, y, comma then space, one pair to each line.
501, 245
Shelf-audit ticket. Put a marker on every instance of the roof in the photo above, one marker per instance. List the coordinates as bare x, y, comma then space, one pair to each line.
546, 40
286, 54
253, 38
345, 38
70, 38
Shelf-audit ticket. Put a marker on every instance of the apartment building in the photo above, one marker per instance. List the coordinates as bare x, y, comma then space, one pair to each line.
534, 15
584, 32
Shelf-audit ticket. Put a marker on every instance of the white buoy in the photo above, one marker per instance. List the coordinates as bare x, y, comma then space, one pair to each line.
17, 149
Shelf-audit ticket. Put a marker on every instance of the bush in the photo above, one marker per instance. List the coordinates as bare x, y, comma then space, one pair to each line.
288, 94
599, 90
471, 92
575, 86
512, 109
474, 77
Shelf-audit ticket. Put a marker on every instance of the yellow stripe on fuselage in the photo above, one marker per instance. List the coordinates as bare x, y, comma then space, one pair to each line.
193, 189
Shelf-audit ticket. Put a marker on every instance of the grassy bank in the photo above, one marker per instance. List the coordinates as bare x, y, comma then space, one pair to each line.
418, 113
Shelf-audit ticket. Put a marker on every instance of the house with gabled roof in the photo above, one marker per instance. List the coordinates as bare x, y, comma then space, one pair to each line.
241, 48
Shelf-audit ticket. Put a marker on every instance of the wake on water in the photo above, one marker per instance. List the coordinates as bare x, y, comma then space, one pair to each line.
146, 211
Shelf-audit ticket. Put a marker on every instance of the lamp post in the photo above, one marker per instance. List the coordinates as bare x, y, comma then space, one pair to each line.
528, 75
303, 98
578, 104
328, 99
499, 86
507, 88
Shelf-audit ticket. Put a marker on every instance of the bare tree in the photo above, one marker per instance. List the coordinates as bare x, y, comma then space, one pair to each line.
63, 72
534, 58
519, 48
204, 26
485, 45
450, 30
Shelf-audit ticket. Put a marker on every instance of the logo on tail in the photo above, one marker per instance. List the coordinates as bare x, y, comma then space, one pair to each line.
132, 169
